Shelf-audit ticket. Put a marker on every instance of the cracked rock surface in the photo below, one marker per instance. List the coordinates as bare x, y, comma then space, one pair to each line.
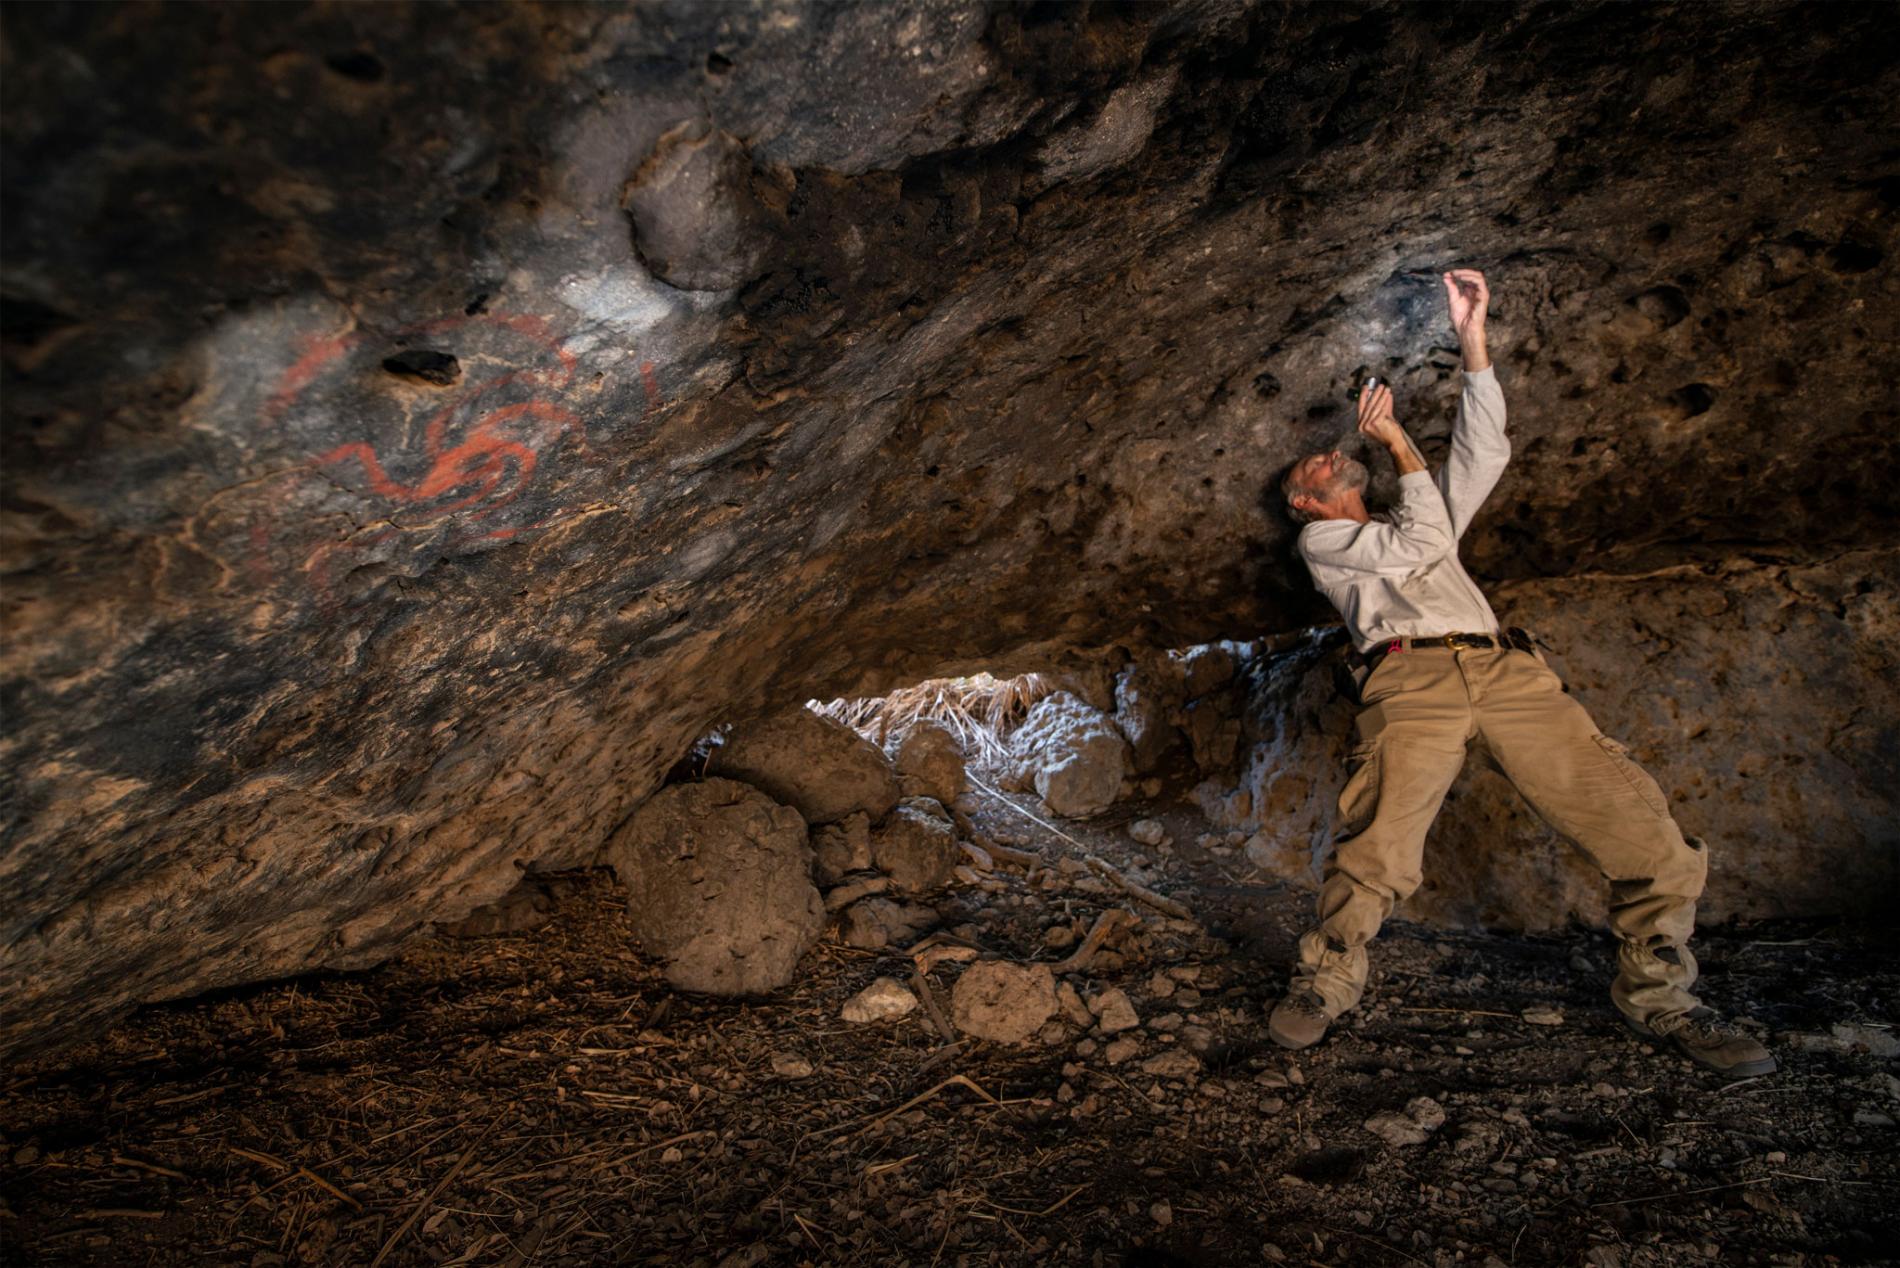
400, 473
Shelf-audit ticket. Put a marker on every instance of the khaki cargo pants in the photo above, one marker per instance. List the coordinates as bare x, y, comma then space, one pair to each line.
1423, 707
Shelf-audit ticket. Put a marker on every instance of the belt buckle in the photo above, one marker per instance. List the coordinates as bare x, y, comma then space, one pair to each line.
1466, 642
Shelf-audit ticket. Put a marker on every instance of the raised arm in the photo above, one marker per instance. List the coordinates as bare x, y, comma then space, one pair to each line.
1417, 531
1479, 448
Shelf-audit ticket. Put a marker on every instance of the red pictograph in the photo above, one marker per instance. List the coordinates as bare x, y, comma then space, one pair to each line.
480, 448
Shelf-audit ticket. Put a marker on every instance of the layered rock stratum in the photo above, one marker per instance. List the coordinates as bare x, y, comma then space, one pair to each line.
422, 422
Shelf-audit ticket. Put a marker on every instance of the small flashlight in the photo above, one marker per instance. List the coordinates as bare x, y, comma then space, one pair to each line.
1370, 384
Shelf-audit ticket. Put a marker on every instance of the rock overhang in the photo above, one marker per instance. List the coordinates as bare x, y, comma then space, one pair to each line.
1018, 314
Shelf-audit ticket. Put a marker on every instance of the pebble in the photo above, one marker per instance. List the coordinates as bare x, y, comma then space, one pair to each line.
26, 1155
789, 1065
1122, 1049
1147, 831
1172, 1064
1543, 1016
1161, 1213
1422, 1117
882, 1000
1057, 937
1114, 1011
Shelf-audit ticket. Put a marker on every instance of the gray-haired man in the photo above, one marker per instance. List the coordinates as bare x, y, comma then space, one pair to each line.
1444, 675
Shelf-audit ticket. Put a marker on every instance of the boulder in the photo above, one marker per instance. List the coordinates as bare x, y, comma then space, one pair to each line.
1148, 699
930, 762
815, 764
1005, 1002
1070, 754
916, 846
719, 883
695, 222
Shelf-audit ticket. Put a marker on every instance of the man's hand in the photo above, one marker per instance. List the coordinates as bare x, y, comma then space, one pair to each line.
1470, 301
1376, 421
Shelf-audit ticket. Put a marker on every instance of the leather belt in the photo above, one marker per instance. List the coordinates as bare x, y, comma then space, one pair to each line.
1512, 639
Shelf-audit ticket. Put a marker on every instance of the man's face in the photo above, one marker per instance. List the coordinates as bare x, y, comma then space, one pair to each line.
1327, 478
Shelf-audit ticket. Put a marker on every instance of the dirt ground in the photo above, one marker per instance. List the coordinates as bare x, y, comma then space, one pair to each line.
543, 1098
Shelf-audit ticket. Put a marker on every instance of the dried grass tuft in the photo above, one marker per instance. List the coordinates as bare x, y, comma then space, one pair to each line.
981, 711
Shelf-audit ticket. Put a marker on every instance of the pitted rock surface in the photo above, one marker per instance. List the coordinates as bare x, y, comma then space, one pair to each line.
402, 472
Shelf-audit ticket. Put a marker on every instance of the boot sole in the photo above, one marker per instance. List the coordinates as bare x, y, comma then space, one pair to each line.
1290, 1044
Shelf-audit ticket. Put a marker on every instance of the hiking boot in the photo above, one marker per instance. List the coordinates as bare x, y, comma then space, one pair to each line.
1299, 1020
1707, 1040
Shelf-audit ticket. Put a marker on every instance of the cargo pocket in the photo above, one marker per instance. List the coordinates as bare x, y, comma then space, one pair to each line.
1359, 799
1637, 778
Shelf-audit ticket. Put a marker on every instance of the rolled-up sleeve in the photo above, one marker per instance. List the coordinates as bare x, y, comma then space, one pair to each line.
1418, 533
1479, 449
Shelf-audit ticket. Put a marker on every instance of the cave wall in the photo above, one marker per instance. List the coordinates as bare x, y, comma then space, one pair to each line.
1763, 695
421, 422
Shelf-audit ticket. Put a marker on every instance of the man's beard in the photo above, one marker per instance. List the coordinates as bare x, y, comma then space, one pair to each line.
1350, 476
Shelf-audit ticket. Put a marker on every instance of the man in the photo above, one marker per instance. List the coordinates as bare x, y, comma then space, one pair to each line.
1443, 675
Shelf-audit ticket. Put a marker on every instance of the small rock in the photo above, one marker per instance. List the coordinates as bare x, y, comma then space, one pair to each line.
844, 895
1421, 1118
1058, 937
1396, 1129
1867, 1116
1001, 1001
916, 846
26, 1155
878, 922
789, 1065
841, 848
1087, 1048
1172, 1064
1114, 1011
1070, 1002
1122, 1049
1161, 985
1161, 1213
1540, 1016
882, 1000
1873, 1039
1147, 831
